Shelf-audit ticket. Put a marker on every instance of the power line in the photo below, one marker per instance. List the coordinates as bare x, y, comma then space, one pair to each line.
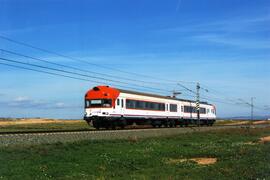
186, 88
46, 72
79, 74
74, 68
67, 76
85, 62
87, 80
101, 66
218, 93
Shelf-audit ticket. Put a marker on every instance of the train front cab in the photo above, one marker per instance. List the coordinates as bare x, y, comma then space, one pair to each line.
99, 105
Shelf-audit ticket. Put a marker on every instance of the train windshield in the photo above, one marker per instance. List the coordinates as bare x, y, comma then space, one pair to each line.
98, 103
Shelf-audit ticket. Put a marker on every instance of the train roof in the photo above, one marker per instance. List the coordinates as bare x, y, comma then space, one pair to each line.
158, 96
111, 92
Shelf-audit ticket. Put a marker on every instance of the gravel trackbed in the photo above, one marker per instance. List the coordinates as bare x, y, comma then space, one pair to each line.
54, 137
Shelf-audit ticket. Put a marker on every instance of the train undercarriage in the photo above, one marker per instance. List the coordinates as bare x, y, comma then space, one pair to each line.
122, 122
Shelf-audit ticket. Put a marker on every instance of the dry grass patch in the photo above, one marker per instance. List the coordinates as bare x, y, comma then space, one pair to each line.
264, 139
250, 143
200, 161
238, 123
261, 122
133, 139
36, 121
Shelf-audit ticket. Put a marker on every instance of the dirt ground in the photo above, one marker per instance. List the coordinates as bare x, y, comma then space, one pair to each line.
265, 139
238, 123
35, 121
247, 122
200, 161
261, 122
262, 140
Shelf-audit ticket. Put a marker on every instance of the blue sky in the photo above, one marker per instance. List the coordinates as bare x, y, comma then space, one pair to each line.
224, 45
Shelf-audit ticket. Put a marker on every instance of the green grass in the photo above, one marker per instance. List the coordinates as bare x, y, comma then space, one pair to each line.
143, 158
45, 126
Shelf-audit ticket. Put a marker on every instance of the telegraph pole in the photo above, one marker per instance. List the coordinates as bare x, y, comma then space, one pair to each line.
251, 109
198, 103
252, 106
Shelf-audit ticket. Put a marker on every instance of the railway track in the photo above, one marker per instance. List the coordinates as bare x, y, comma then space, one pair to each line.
47, 137
102, 130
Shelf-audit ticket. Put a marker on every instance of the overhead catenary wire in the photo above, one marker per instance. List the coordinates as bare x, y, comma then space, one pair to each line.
218, 100
87, 80
79, 74
66, 76
75, 68
219, 94
87, 62
105, 67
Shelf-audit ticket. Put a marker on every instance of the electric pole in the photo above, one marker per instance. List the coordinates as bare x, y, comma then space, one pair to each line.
198, 103
251, 110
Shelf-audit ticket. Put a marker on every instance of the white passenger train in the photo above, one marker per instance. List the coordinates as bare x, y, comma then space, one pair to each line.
107, 107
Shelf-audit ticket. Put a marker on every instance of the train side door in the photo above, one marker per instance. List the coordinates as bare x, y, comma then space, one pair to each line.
122, 106
167, 110
118, 106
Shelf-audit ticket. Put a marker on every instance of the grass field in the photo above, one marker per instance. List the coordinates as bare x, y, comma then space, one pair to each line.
42, 125
238, 154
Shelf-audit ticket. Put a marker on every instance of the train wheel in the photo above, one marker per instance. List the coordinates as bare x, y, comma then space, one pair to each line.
96, 125
113, 126
172, 123
123, 123
122, 126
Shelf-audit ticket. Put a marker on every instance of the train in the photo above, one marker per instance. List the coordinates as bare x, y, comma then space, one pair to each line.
109, 107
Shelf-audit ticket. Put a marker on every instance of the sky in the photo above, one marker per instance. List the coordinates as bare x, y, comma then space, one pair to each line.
223, 45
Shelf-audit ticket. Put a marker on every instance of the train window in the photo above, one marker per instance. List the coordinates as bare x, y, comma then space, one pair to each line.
191, 109
188, 109
208, 111
107, 103
147, 105
130, 104
118, 102
87, 104
162, 107
182, 108
202, 111
152, 106
98, 103
122, 103
173, 107
135, 104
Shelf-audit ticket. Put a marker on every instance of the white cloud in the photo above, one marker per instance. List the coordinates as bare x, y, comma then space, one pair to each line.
247, 43
237, 24
21, 99
26, 102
